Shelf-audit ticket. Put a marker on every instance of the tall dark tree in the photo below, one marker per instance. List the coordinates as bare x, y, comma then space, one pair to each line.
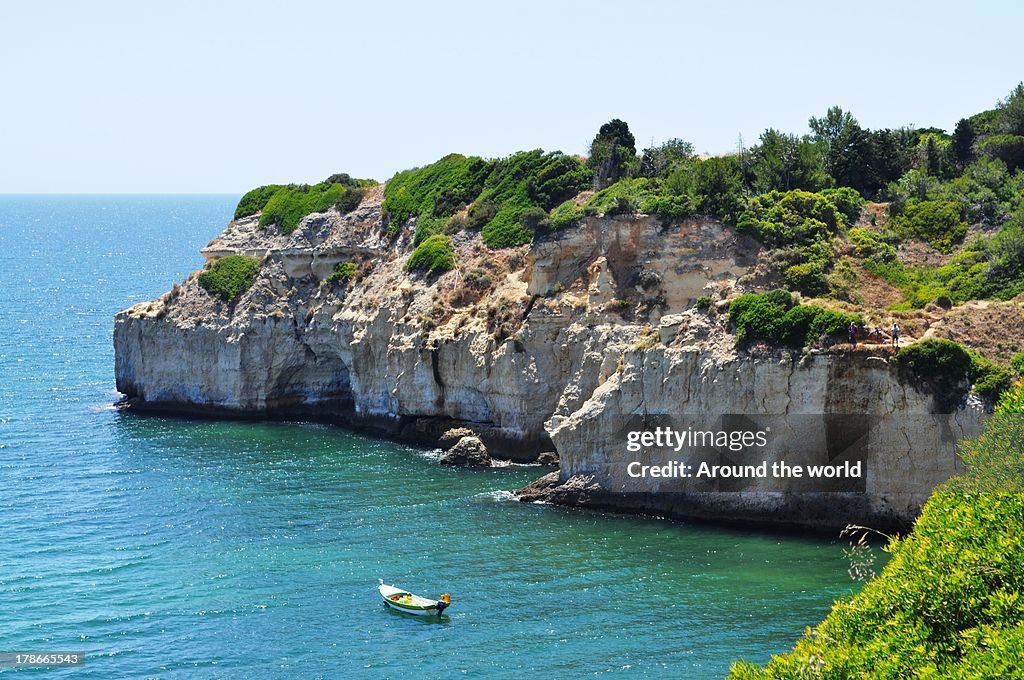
963, 143
611, 152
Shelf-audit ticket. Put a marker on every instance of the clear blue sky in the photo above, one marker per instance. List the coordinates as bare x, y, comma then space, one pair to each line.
223, 96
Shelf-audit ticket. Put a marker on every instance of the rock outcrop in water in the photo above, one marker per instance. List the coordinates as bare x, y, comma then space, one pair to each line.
554, 346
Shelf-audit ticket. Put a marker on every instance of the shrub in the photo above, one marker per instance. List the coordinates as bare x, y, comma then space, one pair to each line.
343, 272
868, 245
808, 277
704, 303
427, 225
846, 200
435, 255
621, 198
940, 223
566, 216
230, 276
1018, 362
290, 204
253, 201
989, 378
938, 367
1007, 148
947, 604
438, 189
718, 187
792, 218
772, 317
522, 181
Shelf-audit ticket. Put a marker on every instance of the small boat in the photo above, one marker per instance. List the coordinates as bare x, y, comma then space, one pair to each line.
404, 601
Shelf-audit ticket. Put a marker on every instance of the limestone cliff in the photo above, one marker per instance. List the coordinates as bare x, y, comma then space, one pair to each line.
533, 348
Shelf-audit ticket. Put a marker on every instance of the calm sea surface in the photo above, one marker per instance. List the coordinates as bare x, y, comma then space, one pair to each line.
172, 548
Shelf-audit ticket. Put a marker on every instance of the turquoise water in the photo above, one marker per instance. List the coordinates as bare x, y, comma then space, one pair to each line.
177, 549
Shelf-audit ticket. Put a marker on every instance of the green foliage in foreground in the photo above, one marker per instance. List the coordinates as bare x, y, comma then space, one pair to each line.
343, 272
285, 205
948, 603
434, 256
774, 318
230, 276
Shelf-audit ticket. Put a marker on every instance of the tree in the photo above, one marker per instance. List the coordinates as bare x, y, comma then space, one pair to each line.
782, 161
829, 132
611, 152
663, 159
1011, 112
718, 187
846, 150
963, 143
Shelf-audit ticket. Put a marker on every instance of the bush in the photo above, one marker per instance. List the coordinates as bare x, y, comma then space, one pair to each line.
868, 245
942, 368
427, 225
947, 604
290, 204
1007, 148
704, 303
846, 200
808, 278
230, 276
772, 317
621, 198
940, 223
343, 272
793, 218
439, 189
435, 255
524, 180
989, 378
1018, 362
253, 201
566, 216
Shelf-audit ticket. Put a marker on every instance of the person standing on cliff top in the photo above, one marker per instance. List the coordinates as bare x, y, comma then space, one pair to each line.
853, 333
895, 334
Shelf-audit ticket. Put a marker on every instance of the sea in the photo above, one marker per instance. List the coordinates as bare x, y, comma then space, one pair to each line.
162, 547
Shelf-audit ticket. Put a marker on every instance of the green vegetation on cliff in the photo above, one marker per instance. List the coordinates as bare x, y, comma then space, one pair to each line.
230, 276
507, 199
343, 272
774, 318
285, 205
947, 370
434, 256
948, 603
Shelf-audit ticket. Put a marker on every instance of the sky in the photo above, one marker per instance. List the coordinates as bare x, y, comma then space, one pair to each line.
219, 97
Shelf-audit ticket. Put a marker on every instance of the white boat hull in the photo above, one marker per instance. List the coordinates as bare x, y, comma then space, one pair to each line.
407, 603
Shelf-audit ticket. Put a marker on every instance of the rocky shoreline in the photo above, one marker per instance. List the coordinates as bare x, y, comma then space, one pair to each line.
541, 349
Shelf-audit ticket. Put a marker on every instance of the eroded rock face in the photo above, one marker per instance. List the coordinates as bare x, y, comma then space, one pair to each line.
535, 349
